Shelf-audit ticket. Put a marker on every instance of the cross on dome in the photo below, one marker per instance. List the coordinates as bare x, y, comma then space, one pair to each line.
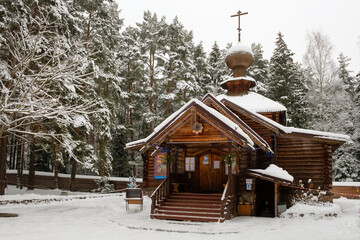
238, 14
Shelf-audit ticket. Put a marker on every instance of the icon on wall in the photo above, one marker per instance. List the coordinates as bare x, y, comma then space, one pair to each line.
197, 128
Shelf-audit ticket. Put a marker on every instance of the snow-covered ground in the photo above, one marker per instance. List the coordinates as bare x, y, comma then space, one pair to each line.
104, 217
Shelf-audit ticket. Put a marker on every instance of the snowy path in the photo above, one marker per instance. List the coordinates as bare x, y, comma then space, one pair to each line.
106, 218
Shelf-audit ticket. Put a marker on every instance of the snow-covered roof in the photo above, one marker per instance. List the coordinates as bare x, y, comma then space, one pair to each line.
289, 130
254, 102
162, 127
274, 171
320, 134
239, 48
230, 79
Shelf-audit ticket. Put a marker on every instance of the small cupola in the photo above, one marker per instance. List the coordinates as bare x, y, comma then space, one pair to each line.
238, 58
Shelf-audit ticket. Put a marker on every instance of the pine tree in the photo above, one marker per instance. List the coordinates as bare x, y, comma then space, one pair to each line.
101, 27
287, 83
217, 70
345, 119
178, 65
152, 38
120, 163
259, 69
344, 74
200, 67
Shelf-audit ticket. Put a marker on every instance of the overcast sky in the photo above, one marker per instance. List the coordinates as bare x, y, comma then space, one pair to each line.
210, 21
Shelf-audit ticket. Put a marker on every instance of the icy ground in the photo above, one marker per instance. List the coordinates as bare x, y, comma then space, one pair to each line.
104, 217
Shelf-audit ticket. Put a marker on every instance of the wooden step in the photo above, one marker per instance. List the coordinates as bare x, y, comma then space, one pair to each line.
204, 202
191, 204
190, 197
215, 195
189, 213
186, 218
190, 209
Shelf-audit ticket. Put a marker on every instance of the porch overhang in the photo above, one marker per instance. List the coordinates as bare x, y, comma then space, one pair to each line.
267, 177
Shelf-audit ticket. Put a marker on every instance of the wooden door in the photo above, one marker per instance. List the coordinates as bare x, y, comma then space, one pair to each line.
217, 172
210, 173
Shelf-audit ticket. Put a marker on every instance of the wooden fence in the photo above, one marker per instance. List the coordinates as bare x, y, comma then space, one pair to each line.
83, 183
346, 189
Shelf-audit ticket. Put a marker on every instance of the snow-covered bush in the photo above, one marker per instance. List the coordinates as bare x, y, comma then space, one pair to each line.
103, 185
309, 194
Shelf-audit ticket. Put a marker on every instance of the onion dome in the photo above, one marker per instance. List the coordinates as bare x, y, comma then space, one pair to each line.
238, 58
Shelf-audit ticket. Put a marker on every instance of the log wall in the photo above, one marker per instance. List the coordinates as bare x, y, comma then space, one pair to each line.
305, 159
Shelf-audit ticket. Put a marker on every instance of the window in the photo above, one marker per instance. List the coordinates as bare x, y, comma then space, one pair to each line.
190, 164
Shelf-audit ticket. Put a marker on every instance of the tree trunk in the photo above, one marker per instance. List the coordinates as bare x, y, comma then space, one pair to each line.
10, 150
14, 149
22, 164
3, 148
151, 99
73, 175
56, 174
32, 167
18, 162
168, 101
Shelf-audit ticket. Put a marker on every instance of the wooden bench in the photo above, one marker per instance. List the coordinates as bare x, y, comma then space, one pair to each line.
134, 196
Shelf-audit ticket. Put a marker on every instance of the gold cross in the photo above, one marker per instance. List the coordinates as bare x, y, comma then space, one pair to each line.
239, 13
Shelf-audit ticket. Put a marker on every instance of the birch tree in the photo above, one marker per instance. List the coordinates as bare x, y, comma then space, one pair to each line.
318, 60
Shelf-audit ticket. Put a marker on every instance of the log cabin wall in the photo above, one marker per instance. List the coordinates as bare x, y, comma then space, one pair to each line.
305, 159
148, 179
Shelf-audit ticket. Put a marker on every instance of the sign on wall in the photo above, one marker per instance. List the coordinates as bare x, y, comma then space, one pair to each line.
206, 159
160, 165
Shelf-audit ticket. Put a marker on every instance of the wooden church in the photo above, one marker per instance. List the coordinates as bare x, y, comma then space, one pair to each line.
231, 154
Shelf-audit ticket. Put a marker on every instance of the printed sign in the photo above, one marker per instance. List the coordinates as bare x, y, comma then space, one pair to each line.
216, 164
248, 183
206, 159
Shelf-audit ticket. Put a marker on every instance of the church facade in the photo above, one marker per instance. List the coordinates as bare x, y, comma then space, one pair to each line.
231, 154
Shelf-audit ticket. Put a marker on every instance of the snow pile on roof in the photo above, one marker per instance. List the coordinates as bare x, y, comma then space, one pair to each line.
239, 48
254, 102
275, 171
230, 79
301, 210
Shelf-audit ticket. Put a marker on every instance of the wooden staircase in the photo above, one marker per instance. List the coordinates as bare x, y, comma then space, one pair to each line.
190, 207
